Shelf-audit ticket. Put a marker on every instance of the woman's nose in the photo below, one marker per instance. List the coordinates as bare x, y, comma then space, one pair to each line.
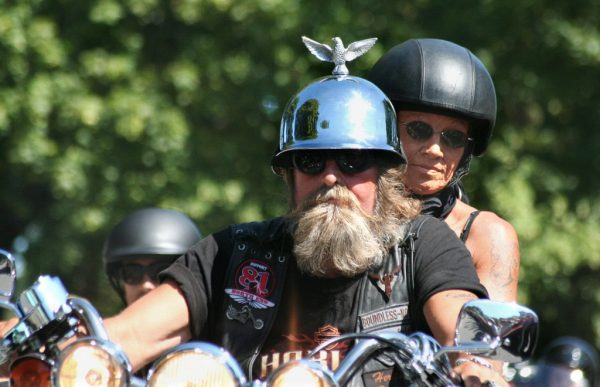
433, 146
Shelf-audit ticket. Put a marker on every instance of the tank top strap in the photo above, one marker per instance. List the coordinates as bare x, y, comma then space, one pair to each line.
465, 232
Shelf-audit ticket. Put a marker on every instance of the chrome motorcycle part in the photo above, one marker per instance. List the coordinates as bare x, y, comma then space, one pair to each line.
91, 362
31, 370
8, 276
413, 355
44, 301
496, 330
364, 349
44, 317
89, 316
196, 364
304, 372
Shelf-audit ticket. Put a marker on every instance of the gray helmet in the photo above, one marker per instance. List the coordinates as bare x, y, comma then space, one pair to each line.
338, 112
150, 232
571, 353
437, 75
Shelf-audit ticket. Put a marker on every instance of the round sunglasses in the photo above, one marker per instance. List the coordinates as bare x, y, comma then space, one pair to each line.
133, 273
422, 131
312, 162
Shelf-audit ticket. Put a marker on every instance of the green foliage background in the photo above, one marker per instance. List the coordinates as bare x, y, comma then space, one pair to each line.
107, 106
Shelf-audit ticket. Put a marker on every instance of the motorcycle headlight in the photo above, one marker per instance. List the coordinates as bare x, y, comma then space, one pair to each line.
30, 370
303, 372
91, 362
197, 364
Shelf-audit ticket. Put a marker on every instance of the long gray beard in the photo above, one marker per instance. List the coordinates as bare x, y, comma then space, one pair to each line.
333, 236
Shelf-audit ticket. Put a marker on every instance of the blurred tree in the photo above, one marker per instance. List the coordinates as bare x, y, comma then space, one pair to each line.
107, 106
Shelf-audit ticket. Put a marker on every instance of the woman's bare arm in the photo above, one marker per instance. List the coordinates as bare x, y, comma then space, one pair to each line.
494, 245
441, 312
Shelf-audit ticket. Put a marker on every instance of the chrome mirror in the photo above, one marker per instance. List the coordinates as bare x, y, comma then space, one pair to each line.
8, 275
509, 330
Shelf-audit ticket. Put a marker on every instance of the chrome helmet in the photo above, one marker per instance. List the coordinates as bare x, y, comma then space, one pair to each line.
339, 111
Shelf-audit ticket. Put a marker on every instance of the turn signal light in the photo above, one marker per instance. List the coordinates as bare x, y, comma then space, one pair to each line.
31, 370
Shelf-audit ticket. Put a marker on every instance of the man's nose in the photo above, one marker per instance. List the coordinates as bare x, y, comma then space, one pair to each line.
331, 174
148, 283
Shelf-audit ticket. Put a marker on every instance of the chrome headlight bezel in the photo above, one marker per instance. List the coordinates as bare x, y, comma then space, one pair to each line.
117, 360
212, 352
323, 376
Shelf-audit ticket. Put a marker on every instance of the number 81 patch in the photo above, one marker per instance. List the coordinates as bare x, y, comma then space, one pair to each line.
254, 282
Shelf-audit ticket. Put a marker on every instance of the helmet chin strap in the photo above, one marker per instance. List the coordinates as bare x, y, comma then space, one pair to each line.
463, 165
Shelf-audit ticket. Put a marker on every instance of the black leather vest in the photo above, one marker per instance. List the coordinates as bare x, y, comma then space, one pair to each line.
254, 284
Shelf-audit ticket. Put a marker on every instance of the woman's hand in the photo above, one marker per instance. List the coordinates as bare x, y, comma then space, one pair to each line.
475, 372
7, 325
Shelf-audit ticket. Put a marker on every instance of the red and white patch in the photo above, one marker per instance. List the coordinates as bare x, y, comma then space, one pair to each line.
254, 283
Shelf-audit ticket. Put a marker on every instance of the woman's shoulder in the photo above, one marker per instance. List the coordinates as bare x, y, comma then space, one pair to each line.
489, 222
434, 231
483, 222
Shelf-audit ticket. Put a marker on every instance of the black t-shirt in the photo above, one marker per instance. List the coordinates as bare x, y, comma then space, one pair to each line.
314, 309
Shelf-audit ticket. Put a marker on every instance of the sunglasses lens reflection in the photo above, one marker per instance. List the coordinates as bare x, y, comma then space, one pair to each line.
309, 162
351, 162
348, 161
419, 130
422, 131
133, 273
454, 138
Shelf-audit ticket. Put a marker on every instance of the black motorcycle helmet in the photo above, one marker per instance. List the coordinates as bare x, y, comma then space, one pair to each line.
150, 232
441, 77
571, 353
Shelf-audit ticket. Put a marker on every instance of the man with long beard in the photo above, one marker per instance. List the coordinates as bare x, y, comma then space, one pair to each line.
351, 255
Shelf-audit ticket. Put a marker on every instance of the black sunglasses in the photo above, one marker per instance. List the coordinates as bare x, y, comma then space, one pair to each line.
422, 131
312, 162
133, 273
